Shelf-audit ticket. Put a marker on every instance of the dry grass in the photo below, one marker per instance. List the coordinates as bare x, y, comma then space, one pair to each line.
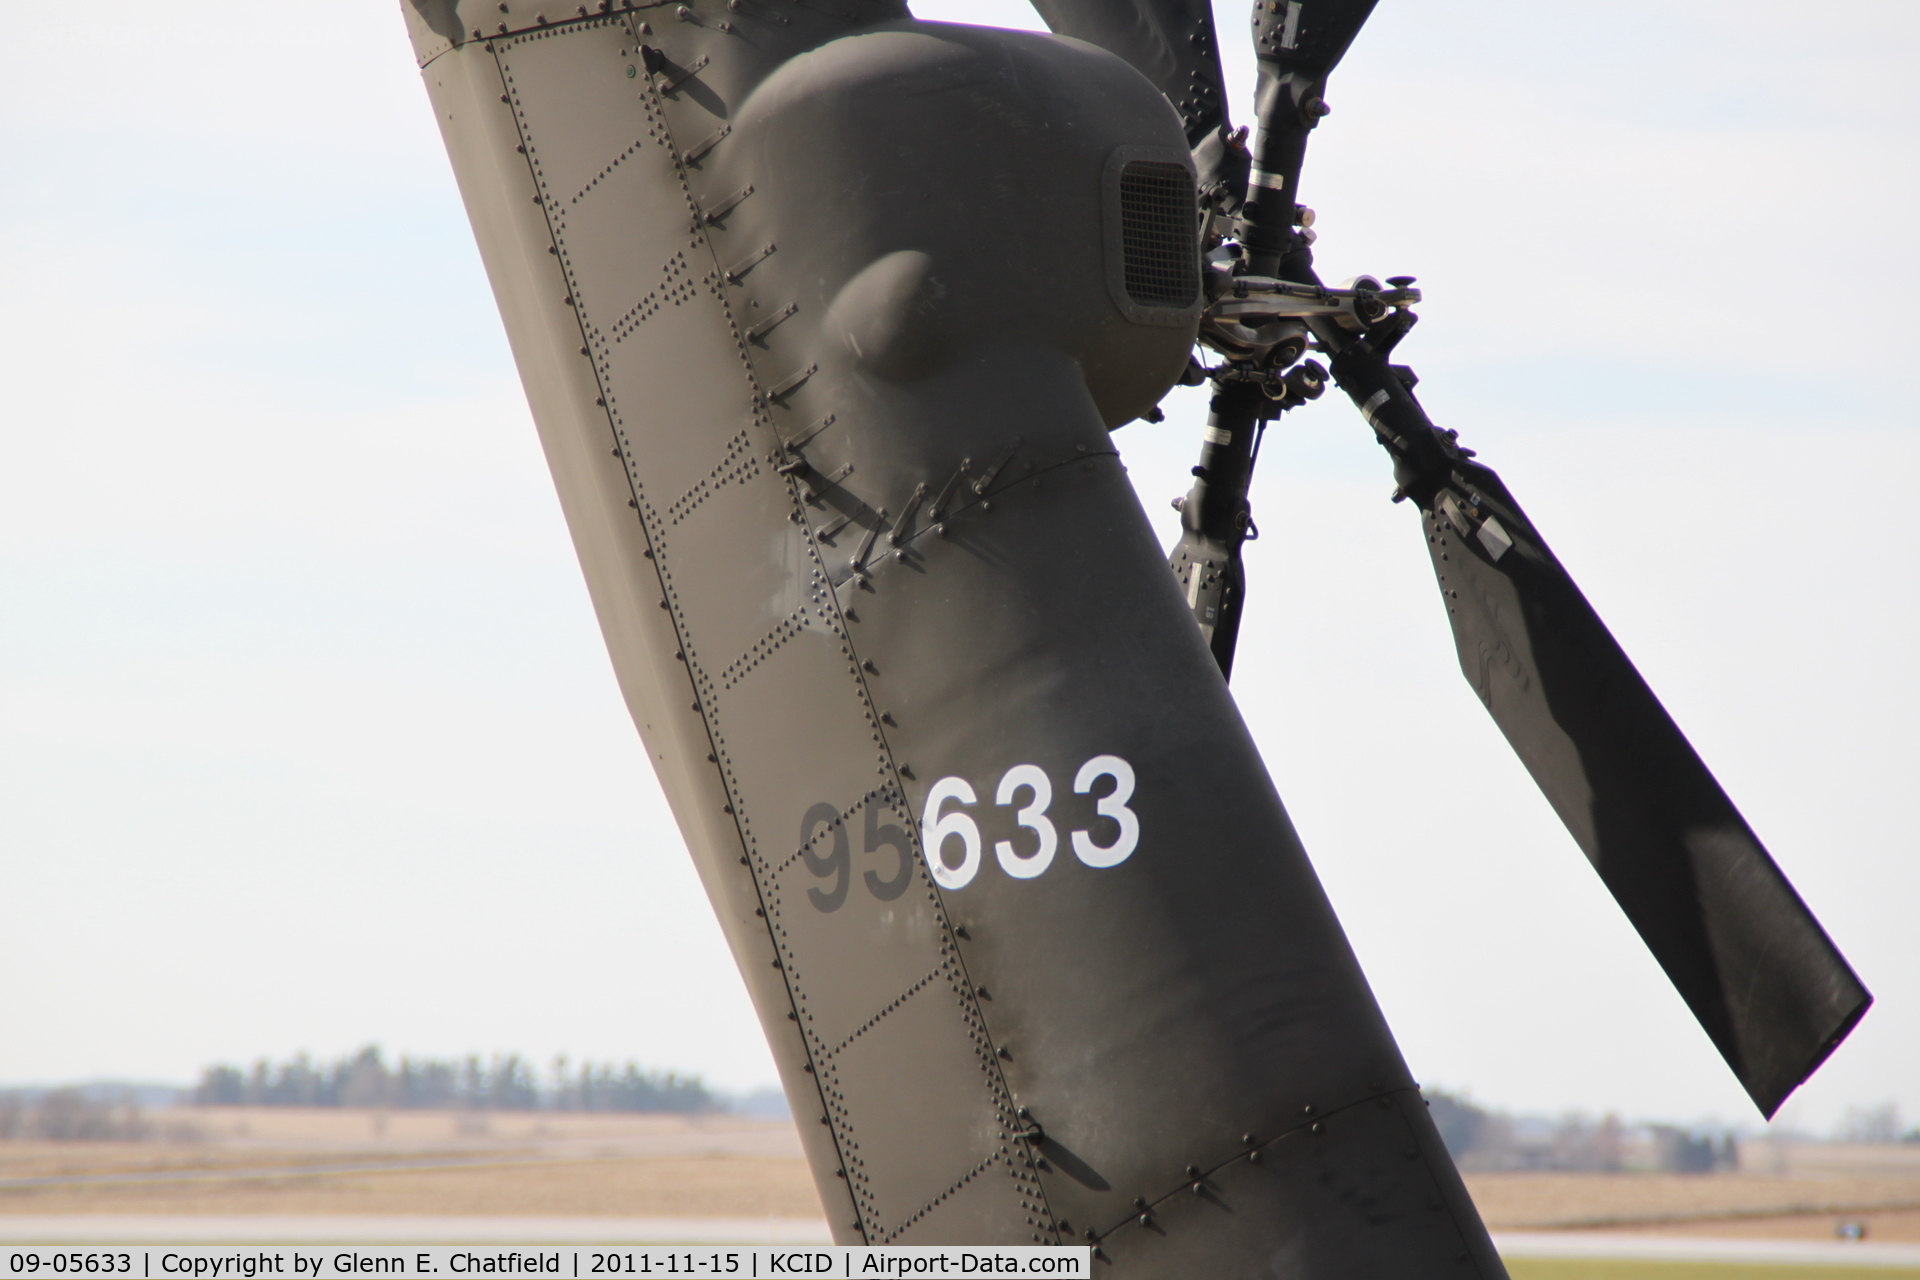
326, 1161
663, 1187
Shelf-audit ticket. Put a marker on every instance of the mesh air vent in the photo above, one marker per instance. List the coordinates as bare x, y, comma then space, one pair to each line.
1159, 215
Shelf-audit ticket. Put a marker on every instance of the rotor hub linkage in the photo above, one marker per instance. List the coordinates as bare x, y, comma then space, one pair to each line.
1263, 319
1263, 326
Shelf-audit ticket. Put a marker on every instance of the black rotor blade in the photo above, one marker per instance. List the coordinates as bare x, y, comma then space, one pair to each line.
1170, 42
1753, 964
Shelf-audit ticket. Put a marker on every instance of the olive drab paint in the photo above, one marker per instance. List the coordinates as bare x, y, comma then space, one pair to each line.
816, 309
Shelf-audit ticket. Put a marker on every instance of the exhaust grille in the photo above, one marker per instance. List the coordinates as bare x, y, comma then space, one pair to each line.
1159, 236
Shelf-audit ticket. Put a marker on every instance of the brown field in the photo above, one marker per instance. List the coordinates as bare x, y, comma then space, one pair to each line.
294, 1163
1727, 1205
1783, 1190
273, 1161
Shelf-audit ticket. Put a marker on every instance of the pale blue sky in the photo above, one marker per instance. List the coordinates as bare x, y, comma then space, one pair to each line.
307, 737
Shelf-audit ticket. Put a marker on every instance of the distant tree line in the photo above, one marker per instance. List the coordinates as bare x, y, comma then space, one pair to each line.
71, 1115
1481, 1140
502, 1083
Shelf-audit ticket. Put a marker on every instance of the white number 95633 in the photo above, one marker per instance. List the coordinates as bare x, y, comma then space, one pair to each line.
1028, 790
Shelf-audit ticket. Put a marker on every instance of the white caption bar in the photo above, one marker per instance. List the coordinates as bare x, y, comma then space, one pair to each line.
569, 1262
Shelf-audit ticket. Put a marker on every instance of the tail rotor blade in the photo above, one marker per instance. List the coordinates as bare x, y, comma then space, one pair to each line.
1756, 968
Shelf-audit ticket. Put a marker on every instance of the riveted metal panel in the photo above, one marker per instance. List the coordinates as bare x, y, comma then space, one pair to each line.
1347, 1195
915, 1048
739, 576
483, 139
736, 572
839, 1008
641, 279
975, 1206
